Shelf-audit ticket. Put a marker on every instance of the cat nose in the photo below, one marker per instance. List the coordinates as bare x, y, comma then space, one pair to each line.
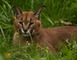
25, 30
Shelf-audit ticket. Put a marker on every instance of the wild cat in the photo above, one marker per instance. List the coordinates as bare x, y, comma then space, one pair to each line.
28, 28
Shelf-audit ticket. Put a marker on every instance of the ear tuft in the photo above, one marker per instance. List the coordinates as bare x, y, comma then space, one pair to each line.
16, 10
37, 12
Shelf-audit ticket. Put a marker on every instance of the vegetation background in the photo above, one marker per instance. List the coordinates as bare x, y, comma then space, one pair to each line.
56, 13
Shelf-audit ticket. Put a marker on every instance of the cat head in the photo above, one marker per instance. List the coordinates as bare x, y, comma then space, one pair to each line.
27, 23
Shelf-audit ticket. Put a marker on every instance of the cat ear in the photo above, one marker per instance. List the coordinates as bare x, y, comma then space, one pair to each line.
37, 12
16, 10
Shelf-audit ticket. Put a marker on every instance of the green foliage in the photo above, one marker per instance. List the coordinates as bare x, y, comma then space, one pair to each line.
51, 15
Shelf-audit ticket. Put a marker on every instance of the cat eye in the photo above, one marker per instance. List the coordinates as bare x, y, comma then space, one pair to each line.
21, 22
31, 23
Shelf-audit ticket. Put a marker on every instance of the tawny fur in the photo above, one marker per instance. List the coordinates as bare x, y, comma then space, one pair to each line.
45, 37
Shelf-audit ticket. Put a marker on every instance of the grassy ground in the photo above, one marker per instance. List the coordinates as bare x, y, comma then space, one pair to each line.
55, 11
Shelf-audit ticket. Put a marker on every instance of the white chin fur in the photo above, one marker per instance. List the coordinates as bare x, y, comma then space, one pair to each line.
25, 35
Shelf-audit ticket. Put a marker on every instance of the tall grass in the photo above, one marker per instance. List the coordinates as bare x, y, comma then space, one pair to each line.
54, 11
